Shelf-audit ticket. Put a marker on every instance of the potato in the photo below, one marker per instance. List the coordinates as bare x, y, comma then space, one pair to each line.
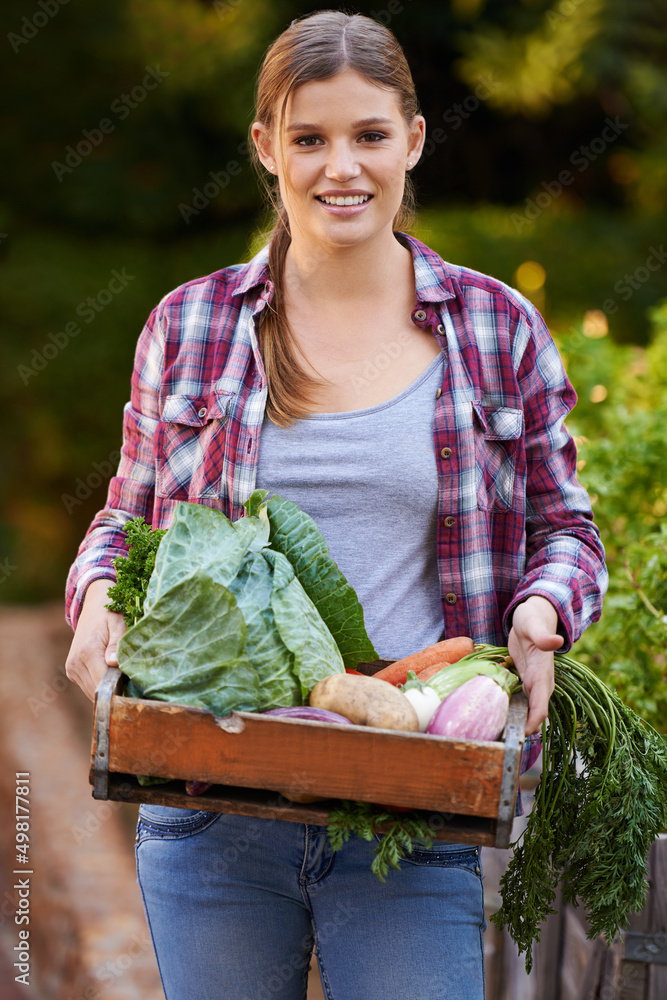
365, 701
300, 796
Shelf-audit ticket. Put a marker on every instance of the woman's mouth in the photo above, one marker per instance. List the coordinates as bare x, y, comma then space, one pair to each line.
343, 205
343, 200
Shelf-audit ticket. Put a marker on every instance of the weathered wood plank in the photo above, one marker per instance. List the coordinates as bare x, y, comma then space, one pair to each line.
610, 978
549, 953
271, 805
590, 981
348, 762
657, 974
581, 960
516, 983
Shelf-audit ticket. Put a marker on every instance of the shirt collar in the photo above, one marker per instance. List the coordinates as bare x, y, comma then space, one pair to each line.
433, 276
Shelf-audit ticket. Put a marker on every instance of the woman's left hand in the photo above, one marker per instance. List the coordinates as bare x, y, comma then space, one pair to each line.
532, 643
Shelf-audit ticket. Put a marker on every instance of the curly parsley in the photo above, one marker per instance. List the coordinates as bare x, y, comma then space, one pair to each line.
134, 570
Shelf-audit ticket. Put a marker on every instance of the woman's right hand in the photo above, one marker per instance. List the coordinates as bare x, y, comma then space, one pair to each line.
95, 641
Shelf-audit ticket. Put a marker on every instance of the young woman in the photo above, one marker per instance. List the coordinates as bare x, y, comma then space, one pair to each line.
415, 409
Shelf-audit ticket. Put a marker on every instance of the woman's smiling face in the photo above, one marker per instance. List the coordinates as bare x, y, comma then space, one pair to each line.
342, 160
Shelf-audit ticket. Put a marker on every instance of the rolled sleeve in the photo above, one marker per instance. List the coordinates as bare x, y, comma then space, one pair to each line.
564, 553
132, 490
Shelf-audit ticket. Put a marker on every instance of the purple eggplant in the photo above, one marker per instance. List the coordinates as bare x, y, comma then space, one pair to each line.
475, 711
308, 713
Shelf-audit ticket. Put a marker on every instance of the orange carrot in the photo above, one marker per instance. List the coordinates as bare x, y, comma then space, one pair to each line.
435, 668
450, 650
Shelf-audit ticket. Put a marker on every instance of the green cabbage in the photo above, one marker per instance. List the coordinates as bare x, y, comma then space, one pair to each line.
228, 621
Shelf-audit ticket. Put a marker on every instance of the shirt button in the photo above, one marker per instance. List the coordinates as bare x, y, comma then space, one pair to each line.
441, 328
449, 522
201, 412
438, 393
420, 315
445, 452
450, 598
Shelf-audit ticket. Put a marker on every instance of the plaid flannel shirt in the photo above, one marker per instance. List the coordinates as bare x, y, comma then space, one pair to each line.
512, 519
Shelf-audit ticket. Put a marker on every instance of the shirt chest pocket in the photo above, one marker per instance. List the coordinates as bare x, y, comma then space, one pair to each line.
190, 445
499, 458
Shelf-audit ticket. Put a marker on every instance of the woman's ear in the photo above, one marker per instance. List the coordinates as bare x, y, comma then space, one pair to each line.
416, 139
264, 146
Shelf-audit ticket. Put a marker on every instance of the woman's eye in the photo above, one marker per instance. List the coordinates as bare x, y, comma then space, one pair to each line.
307, 140
373, 136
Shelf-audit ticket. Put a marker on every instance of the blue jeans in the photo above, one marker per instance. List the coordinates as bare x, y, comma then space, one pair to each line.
235, 906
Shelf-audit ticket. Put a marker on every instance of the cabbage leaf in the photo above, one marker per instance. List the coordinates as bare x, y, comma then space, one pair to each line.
190, 648
296, 535
181, 649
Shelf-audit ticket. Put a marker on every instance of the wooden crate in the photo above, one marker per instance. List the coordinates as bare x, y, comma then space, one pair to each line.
465, 788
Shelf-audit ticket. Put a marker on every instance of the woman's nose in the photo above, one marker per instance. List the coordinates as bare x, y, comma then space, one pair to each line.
342, 163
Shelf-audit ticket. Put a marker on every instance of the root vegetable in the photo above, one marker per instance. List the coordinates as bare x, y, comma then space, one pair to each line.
365, 701
447, 651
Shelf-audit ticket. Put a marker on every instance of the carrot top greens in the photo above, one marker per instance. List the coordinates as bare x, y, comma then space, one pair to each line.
600, 803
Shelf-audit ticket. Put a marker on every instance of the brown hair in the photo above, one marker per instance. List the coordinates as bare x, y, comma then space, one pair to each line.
316, 47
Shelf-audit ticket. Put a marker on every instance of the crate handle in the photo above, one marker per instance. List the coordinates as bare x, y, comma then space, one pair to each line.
515, 734
109, 686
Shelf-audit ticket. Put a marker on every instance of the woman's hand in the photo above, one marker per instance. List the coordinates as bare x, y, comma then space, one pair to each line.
95, 641
532, 643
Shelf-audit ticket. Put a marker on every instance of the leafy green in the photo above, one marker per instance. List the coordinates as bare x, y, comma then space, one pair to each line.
600, 803
295, 534
134, 570
176, 651
254, 587
190, 649
233, 555
300, 626
204, 538
406, 831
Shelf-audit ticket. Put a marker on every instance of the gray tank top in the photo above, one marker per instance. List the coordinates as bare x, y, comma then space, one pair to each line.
368, 478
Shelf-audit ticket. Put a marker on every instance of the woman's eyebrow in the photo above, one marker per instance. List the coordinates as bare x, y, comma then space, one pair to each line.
362, 123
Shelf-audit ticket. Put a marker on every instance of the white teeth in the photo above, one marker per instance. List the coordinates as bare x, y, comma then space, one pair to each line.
357, 199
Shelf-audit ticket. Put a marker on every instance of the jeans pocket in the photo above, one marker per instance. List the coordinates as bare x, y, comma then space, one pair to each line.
498, 434
170, 823
440, 856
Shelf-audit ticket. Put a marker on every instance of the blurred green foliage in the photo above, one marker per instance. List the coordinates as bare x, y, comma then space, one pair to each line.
125, 173
619, 424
